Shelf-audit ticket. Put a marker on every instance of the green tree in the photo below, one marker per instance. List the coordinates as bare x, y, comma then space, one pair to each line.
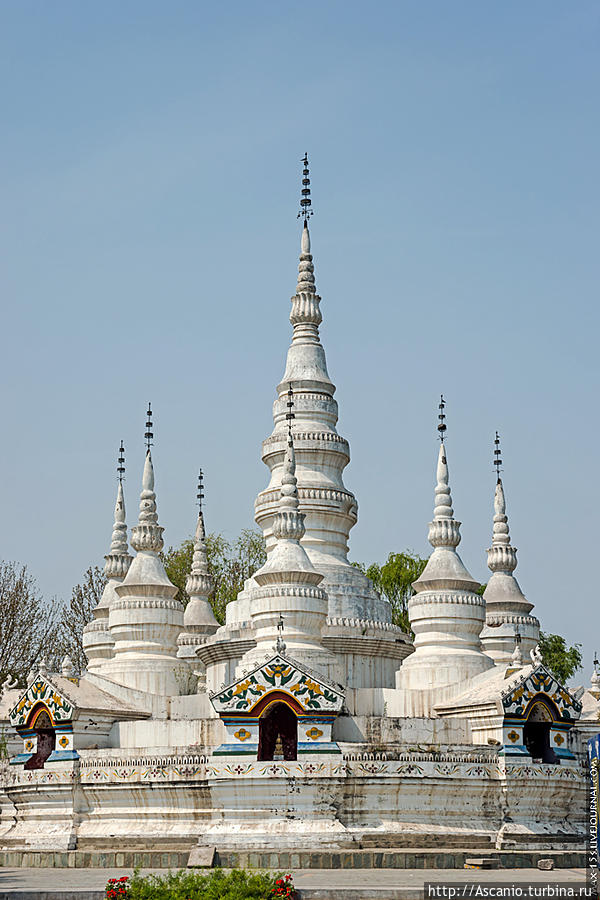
74, 615
393, 580
562, 661
28, 623
229, 563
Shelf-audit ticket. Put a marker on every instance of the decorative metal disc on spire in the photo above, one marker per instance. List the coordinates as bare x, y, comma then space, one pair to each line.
200, 494
290, 413
121, 463
442, 426
149, 435
305, 202
497, 456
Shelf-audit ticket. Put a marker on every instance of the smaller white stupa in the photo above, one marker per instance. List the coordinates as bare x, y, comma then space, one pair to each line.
198, 619
98, 642
446, 613
145, 618
507, 611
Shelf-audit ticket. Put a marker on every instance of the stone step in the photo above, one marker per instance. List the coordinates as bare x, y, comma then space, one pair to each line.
372, 858
415, 858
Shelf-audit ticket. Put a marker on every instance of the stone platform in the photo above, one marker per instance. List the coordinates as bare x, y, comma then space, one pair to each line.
316, 884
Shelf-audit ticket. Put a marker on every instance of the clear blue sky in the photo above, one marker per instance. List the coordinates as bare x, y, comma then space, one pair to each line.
150, 169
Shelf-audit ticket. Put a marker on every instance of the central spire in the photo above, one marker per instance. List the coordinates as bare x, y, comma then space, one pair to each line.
320, 453
288, 583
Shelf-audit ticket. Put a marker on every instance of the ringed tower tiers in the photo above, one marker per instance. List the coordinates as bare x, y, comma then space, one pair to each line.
330, 510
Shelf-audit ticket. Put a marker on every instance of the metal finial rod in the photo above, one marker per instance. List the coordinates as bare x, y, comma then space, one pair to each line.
121, 463
200, 494
290, 413
149, 435
517, 636
596, 662
280, 624
305, 202
442, 427
497, 456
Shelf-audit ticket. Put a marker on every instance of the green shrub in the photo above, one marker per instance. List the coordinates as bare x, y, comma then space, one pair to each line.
215, 885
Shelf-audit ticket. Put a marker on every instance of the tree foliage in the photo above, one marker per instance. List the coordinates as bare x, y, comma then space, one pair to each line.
393, 580
229, 562
28, 623
74, 615
562, 661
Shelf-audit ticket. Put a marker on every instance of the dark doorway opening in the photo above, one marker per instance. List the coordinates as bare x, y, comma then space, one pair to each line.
46, 742
278, 733
536, 735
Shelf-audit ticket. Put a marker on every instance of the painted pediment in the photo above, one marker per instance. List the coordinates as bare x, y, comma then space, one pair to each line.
41, 694
539, 684
285, 676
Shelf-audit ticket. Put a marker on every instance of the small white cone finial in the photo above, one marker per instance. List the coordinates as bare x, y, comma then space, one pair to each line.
67, 667
517, 656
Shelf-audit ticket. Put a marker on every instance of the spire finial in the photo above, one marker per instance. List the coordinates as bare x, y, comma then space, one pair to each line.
280, 644
517, 656
305, 201
200, 494
149, 435
121, 463
441, 416
497, 457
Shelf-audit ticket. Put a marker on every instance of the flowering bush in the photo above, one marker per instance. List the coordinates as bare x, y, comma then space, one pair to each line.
283, 888
238, 884
117, 887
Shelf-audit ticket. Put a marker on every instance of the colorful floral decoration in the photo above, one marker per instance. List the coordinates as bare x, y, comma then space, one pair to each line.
314, 733
559, 739
513, 736
516, 699
311, 691
41, 692
242, 734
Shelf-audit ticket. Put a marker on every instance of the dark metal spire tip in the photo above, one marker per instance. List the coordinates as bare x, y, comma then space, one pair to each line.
121, 463
305, 200
497, 457
442, 427
149, 436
